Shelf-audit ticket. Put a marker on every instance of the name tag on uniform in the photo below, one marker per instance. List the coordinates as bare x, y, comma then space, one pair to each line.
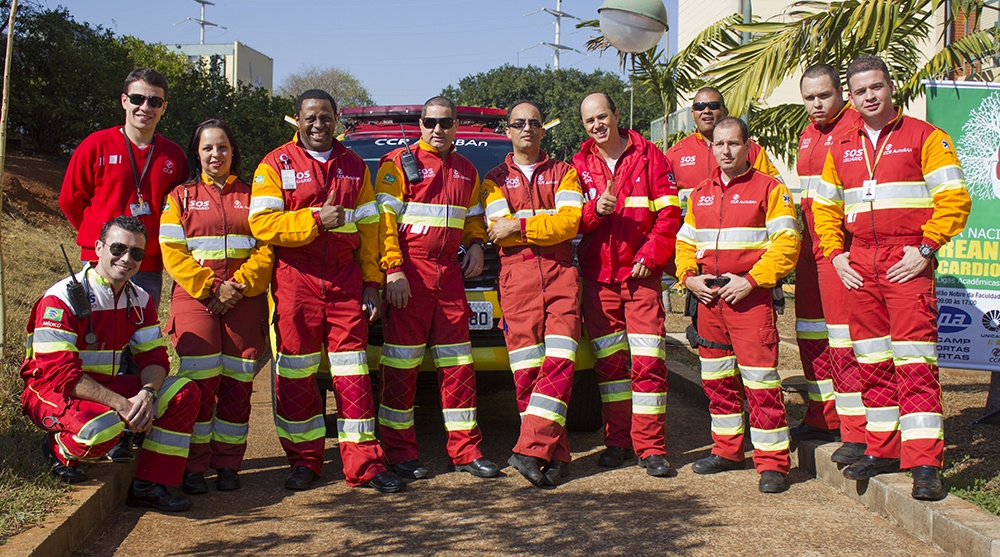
139, 209
868, 190
288, 179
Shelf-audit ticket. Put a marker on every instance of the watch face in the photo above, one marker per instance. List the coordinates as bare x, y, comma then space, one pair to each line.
926, 250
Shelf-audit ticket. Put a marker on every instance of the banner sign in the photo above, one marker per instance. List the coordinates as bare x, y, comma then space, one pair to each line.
968, 275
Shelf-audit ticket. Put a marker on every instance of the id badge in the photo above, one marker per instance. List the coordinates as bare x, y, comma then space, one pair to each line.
139, 209
868, 190
288, 179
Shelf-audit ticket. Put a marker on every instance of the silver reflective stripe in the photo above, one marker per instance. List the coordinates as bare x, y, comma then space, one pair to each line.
567, 198
943, 175
550, 404
452, 350
808, 183
230, 429
922, 420
261, 203
299, 428
145, 335
457, 415
348, 358
900, 190
169, 231
91, 358
608, 341
560, 343
498, 208
822, 387
759, 374
475, 210
829, 192
530, 354
198, 363
839, 332
43, 335
365, 211
392, 415
239, 365
727, 421
289, 361
614, 387
219, 243
169, 438
782, 224
882, 419
732, 235
94, 427
775, 439
655, 342
388, 204
872, 346
687, 233
202, 430
402, 352
717, 365
413, 209
914, 349
809, 326
366, 425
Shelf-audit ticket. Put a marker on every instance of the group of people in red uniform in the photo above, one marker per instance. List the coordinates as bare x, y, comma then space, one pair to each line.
315, 229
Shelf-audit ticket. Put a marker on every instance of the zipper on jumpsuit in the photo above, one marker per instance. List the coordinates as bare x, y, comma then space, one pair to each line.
447, 217
225, 236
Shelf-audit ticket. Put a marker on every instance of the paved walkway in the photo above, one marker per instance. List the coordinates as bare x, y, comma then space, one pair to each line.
599, 511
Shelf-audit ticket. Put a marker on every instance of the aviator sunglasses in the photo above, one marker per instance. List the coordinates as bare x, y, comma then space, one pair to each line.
520, 123
714, 105
118, 249
431, 123
137, 99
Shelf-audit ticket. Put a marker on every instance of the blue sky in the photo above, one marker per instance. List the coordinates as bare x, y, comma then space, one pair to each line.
403, 51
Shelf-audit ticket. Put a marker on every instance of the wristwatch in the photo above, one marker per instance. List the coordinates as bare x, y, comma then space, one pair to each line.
152, 392
926, 251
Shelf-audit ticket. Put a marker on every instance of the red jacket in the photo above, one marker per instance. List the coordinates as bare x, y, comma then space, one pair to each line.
286, 215
432, 218
747, 227
643, 227
205, 238
58, 352
920, 192
693, 161
547, 206
99, 185
814, 144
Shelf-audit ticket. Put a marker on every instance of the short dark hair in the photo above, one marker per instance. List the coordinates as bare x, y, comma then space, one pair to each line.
730, 121
439, 101
314, 94
867, 63
127, 223
710, 90
194, 161
518, 103
819, 70
150, 76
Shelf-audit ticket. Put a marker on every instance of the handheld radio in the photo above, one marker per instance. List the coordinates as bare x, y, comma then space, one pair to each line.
77, 293
409, 161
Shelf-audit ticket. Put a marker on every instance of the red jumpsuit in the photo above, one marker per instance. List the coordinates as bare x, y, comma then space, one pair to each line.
205, 239
821, 313
624, 315
421, 228
59, 355
746, 228
317, 287
919, 197
539, 289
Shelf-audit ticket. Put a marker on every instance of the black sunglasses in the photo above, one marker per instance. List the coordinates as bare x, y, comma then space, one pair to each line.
714, 105
118, 249
137, 99
431, 123
520, 123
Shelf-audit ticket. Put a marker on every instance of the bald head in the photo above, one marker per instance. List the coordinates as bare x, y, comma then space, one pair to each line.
600, 119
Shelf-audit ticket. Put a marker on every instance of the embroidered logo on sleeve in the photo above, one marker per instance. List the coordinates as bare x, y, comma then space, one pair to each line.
52, 314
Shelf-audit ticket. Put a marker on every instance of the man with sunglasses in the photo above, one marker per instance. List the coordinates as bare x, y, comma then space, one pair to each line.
534, 205
75, 333
429, 208
692, 159
126, 170
629, 227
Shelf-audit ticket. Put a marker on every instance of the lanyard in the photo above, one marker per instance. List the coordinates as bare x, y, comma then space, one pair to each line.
135, 169
879, 153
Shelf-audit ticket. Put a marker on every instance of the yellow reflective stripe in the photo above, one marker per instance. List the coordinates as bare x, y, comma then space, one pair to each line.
820, 391
172, 384
459, 419
394, 418
884, 419
882, 204
718, 368
609, 344
665, 201
300, 432
773, 440
164, 442
615, 391
727, 424
297, 367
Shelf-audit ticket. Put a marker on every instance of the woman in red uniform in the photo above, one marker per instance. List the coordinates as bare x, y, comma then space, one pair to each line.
218, 318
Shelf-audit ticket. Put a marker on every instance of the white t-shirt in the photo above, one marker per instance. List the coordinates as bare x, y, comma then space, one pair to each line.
321, 156
528, 169
873, 135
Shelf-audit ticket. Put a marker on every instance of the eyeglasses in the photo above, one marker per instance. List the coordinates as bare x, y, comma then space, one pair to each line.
118, 249
714, 105
520, 123
431, 123
137, 99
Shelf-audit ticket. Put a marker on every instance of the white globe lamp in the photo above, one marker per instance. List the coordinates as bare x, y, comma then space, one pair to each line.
633, 25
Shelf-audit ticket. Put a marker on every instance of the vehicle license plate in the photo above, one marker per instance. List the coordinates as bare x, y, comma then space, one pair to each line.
481, 317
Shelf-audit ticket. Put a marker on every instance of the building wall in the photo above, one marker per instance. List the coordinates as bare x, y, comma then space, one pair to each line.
241, 64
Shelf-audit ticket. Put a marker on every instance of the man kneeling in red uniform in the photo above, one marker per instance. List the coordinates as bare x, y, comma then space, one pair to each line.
71, 386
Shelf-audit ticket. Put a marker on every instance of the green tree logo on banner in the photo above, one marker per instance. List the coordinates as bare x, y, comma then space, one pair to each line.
979, 149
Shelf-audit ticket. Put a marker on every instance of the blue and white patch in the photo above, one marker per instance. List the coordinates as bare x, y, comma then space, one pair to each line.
52, 314
388, 178
944, 143
258, 179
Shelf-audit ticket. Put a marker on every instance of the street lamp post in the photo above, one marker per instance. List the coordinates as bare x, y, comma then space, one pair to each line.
631, 111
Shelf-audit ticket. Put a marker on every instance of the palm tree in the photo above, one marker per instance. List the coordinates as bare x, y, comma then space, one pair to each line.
835, 33
812, 32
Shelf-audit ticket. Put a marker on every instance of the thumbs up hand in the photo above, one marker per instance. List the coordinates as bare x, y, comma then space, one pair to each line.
332, 216
606, 203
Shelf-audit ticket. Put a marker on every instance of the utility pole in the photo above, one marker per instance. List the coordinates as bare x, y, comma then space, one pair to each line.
3, 155
202, 21
556, 46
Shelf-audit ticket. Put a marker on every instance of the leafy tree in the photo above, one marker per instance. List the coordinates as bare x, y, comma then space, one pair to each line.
65, 78
558, 93
346, 89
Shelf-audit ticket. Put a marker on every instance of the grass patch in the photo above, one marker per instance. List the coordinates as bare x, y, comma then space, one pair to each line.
32, 263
